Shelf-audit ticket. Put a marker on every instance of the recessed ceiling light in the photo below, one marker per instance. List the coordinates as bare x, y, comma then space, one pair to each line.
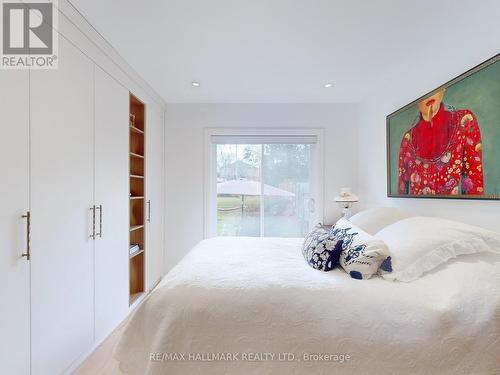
327, 85
195, 84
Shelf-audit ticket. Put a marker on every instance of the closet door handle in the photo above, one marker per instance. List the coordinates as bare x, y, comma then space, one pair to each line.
100, 221
149, 211
27, 254
93, 222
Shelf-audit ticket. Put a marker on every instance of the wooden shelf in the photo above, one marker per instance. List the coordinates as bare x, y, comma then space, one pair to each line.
134, 297
134, 198
136, 176
136, 130
134, 155
136, 253
136, 227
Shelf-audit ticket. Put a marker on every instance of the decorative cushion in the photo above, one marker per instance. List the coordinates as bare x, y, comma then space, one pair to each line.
420, 244
375, 219
362, 254
321, 250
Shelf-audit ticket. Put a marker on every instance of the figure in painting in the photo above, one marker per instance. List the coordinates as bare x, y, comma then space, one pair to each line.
442, 153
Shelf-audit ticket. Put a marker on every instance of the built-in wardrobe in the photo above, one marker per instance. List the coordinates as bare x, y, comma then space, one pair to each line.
65, 222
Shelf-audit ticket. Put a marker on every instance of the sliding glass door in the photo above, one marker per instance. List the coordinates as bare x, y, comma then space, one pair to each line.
288, 201
239, 185
264, 187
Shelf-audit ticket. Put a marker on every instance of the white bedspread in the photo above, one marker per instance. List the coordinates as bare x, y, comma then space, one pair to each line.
258, 299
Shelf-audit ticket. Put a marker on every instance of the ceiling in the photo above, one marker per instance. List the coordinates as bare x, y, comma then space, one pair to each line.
278, 51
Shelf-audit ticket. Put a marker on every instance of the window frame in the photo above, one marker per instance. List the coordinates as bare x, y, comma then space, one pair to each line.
210, 179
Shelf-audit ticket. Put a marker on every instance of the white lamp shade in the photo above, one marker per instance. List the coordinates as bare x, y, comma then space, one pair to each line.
346, 195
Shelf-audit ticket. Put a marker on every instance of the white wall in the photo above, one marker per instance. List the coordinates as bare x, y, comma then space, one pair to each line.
185, 125
448, 60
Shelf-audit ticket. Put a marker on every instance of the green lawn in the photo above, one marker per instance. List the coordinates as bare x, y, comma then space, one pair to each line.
252, 202
236, 223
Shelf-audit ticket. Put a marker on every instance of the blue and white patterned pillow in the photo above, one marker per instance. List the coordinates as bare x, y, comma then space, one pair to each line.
362, 254
321, 250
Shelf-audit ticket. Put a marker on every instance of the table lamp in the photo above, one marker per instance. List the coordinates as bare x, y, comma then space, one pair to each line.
346, 198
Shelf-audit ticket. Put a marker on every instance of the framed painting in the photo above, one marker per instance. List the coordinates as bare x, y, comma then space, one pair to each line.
446, 144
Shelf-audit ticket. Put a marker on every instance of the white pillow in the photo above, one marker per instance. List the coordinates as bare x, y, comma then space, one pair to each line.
420, 244
376, 219
362, 254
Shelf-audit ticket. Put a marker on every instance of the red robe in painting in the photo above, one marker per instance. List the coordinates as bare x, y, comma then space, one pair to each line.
442, 156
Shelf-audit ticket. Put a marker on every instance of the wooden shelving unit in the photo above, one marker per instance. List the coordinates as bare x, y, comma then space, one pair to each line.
134, 155
135, 129
137, 203
136, 227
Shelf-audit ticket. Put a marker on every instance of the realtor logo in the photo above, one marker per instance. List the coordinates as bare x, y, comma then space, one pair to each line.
29, 39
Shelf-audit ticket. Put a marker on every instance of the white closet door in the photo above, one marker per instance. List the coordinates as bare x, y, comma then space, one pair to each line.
62, 278
111, 191
14, 269
154, 195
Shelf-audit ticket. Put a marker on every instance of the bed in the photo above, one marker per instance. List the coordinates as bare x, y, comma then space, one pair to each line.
253, 306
